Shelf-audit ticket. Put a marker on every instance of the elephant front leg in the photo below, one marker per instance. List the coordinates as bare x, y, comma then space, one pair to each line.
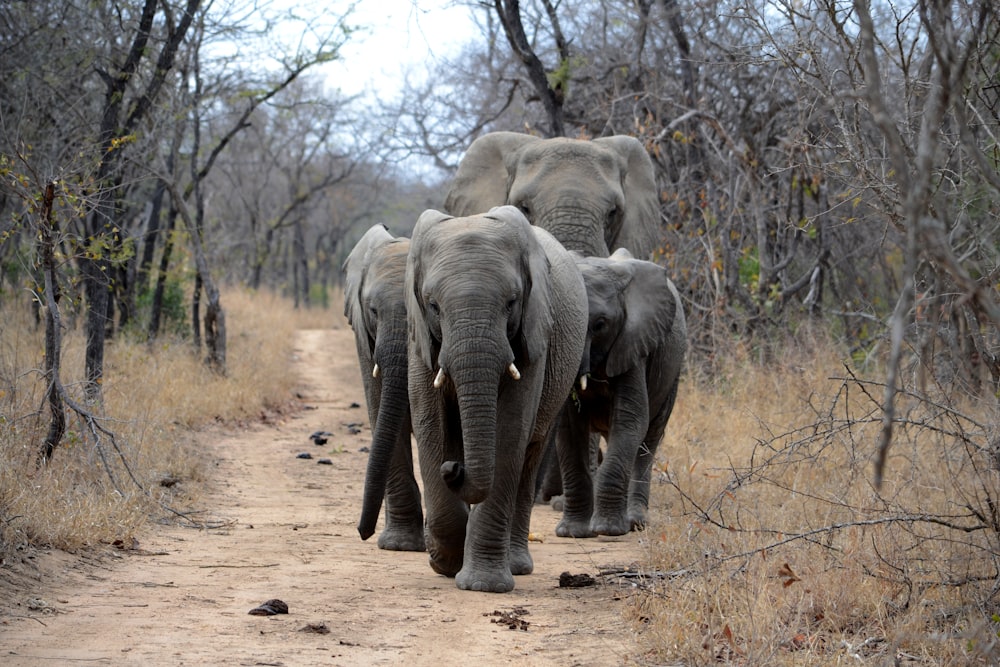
404, 523
521, 561
638, 497
573, 446
629, 423
446, 514
487, 565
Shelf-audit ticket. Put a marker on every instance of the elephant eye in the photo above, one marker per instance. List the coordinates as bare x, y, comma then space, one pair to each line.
433, 305
599, 325
525, 208
511, 302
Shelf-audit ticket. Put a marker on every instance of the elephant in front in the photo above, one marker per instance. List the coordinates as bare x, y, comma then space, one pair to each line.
591, 195
497, 315
629, 374
376, 310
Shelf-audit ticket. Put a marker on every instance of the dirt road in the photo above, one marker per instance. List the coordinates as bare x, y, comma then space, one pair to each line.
284, 527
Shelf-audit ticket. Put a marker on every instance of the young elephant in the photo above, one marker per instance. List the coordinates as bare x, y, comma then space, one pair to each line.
636, 341
375, 308
498, 314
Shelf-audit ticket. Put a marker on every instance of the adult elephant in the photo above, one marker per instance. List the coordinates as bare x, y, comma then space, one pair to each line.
591, 195
497, 313
376, 310
629, 374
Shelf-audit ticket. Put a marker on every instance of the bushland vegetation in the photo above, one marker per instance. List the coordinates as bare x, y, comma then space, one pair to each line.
829, 183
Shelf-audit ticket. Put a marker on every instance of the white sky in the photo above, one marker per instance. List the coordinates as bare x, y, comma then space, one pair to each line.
392, 36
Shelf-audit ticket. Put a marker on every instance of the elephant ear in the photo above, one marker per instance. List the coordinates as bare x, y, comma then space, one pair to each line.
420, 242
536, 313
482, 179
354, 271
650, 312
621, 255
641, 224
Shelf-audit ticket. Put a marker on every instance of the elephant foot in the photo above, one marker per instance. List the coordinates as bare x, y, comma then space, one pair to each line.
521, 561
574, 528
395, 538
444, 561
485, 580
637, 519
616, 524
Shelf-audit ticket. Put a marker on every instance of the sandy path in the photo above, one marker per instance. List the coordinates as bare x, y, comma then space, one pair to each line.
289, 533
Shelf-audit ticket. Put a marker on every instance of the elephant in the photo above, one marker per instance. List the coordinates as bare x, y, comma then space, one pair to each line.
591, 195
376, 310
497, 315
629, 375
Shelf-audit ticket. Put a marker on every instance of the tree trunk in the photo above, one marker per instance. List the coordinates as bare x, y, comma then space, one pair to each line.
53, 329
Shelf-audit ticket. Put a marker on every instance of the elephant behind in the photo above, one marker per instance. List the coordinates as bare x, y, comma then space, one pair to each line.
497, 314
375, 309
591, 195
629, 375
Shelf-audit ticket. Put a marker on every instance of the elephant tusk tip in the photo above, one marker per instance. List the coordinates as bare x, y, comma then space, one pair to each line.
439, 379
514, 373
583, 383
375, 371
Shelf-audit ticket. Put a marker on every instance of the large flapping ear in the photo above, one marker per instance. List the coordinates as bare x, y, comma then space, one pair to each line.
640, 230
421, 242
650, 311
482, 179
354, 271
536, 311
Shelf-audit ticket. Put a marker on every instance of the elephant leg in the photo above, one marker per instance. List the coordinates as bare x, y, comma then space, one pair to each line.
548, 477
520, 558
638, 492
486, 566
446, 514
404, 524
638, 498
629, 424
573, 443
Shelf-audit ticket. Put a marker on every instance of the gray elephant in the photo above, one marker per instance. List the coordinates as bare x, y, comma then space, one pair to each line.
635, 348
376, 310
497, 313
591, 195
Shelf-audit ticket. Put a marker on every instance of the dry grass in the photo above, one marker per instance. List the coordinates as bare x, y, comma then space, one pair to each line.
155, 397
774, 548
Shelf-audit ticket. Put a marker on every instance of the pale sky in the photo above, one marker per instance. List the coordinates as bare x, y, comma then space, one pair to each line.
395, 35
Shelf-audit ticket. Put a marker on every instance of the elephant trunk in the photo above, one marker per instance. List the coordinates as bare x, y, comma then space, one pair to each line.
578, 229
476, 376
393, 416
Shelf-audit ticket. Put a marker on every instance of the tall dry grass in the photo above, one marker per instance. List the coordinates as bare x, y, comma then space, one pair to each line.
771, 546
156, 396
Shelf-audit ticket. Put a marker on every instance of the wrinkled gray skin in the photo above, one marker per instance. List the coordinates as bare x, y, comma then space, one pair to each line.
485, 292
376, 310
635, 347
591, 195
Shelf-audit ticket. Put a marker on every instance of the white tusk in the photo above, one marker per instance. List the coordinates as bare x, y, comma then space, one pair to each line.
375, 371
514, 373
583, 383
439, 380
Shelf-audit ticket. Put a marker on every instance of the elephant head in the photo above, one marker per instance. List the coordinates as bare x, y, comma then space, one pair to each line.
479, 313
591, 195
633, 310
375, 308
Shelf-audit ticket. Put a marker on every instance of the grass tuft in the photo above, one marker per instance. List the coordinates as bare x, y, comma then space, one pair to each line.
155, 396
770, 545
